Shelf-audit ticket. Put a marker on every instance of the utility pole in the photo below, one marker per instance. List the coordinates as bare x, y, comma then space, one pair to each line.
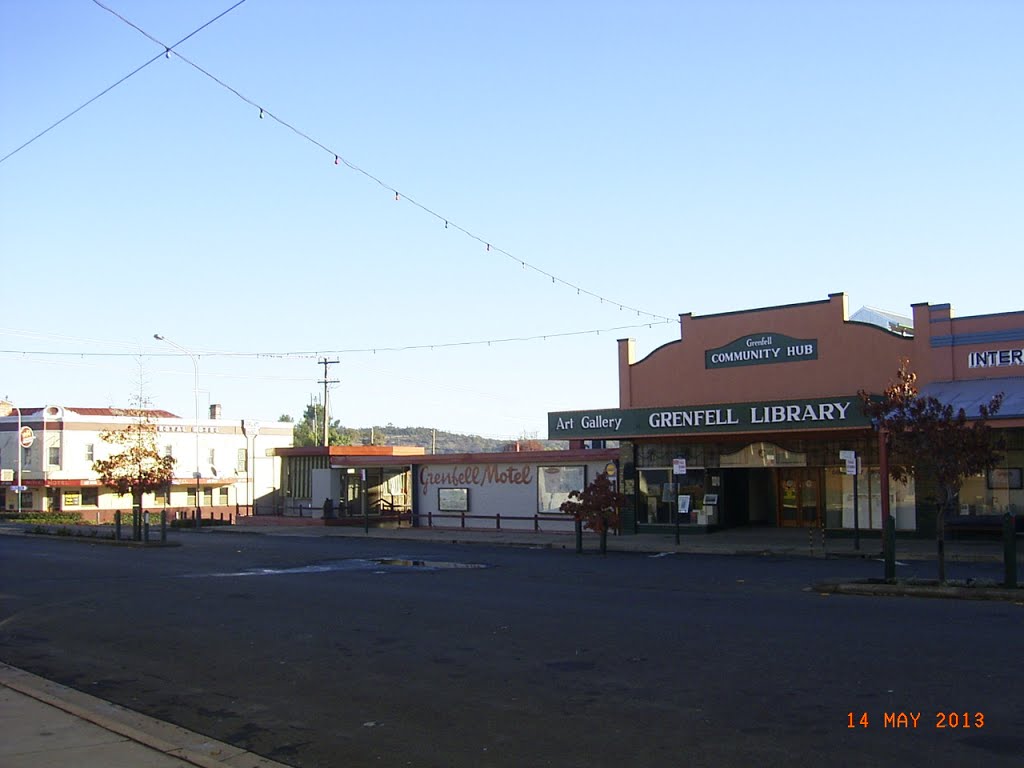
325, 381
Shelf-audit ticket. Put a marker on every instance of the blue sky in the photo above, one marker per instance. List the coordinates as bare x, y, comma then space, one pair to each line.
669, 157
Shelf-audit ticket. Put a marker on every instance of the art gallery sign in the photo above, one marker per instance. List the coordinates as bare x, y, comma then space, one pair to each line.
761, 349
611, 423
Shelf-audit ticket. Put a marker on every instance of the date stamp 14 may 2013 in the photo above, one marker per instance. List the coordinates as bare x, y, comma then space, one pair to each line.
912, 720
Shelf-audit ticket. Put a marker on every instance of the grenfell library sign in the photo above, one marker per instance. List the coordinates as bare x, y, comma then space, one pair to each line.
612, 423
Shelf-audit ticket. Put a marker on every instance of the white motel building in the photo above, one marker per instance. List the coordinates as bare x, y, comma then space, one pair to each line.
234, 460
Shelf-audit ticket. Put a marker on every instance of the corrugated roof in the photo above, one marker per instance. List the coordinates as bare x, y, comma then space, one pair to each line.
971, 395
153, 413
891, 321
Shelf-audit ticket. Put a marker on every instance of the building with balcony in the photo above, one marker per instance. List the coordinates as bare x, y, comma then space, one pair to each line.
234, 460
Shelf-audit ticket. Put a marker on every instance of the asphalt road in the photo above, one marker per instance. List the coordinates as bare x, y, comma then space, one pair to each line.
311, 652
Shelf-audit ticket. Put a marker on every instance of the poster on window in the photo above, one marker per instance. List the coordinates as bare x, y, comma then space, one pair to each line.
1005, 478
554, 484
453, 499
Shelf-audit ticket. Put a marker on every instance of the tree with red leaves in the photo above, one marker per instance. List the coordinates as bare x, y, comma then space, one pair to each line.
139, 468
931, 438
597, 508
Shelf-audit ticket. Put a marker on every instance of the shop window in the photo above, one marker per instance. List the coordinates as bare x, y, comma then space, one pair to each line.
993, 493
662, 454
71, 499
839, 494
658, 493
90, 497
554, 484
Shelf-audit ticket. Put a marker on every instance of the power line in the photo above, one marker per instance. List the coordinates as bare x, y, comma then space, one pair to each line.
300, 354
339, 158
166, 52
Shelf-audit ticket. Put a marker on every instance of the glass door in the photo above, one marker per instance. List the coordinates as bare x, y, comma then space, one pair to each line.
799, 497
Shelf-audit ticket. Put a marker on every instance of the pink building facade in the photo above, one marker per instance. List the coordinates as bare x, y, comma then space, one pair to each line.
749, 418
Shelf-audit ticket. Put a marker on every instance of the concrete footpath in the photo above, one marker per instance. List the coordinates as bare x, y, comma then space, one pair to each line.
48, 725
798, 542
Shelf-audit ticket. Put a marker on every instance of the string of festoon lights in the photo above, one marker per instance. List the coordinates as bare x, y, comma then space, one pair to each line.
114, 85
299, 354
339, 159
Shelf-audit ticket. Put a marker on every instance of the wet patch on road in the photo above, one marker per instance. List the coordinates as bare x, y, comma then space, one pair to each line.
374, 565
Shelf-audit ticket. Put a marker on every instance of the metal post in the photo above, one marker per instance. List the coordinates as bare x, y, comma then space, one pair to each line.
163, 527
889, 548
145, 527
856, 508
1009, 551
6, 407
117, 525
888, 524
195, 393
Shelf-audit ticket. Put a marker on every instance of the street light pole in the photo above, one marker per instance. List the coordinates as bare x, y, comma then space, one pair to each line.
195, 392
5, 410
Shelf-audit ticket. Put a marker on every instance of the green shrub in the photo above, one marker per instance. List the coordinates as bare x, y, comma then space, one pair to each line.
43, 518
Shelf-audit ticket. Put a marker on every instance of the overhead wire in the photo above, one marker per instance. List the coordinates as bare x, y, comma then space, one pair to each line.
309, 354
166, 52
339, 158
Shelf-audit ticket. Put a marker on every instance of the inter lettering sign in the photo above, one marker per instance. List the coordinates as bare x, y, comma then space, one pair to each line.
819, 413
995, 358
761, 349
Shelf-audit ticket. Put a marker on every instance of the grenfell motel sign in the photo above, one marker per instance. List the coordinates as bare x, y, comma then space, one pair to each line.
611, 423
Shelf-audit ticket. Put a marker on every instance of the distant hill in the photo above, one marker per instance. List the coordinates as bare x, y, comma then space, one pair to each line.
439, 440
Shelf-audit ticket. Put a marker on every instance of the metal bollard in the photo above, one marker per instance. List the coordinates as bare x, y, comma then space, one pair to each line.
145, 527
1009, 551
889, 548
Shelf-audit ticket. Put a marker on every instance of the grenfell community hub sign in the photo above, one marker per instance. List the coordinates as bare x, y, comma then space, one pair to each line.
612, 423
761, 349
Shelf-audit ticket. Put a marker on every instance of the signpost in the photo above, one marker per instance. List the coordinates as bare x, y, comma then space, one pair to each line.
5, 410
852, 468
